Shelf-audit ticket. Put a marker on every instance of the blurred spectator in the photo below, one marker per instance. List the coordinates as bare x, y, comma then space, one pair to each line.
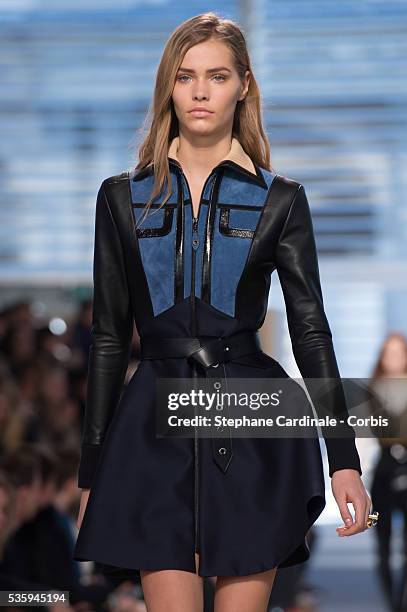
22, 469
6, 504
40, 550
19, 343
12, 420
57, 410
389, 481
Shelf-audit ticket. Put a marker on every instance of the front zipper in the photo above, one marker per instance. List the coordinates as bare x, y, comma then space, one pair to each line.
195, 374
195, 245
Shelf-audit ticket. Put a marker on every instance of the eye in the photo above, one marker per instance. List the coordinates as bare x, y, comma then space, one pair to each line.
182, 76
221, 76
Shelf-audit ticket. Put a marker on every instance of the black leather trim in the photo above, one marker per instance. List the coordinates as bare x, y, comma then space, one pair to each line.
239, 206
163, 230
210, 224
179, 244
154, 205
226, 230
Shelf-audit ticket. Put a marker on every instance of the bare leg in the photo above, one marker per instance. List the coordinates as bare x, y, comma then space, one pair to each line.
172, 590
244, 593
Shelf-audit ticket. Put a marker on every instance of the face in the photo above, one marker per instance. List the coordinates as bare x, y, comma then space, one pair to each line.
208, 79
394, 357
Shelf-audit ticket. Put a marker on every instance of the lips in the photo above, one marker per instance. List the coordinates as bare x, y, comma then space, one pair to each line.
200, 112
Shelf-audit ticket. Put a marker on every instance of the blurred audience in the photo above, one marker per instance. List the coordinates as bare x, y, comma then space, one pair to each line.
43, 371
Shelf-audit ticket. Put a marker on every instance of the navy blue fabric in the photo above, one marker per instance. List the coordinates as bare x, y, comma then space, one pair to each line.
140, 513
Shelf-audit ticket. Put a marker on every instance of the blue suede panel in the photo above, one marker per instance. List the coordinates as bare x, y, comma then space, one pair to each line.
142, 189
236, 189
228, 253
157, 255
243, 219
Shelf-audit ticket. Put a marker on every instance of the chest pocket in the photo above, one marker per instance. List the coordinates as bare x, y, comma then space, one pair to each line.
239, 222
157, 223
155, 243
235, 227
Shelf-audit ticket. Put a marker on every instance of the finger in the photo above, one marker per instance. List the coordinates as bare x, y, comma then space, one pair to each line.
345, 512
358, 525
369, 509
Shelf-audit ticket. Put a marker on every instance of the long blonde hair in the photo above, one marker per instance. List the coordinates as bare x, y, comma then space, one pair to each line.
161, 117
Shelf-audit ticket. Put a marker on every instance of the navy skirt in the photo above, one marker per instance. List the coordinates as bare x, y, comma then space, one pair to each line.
254, 517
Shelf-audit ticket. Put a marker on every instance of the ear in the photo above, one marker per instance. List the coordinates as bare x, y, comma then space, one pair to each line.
245, 85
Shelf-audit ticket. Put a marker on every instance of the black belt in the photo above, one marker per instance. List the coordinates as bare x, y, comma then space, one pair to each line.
207, 353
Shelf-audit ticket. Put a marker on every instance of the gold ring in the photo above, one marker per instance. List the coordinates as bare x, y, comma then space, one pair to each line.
372, 520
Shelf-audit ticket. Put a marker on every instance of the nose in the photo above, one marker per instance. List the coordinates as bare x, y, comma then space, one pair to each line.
200, 91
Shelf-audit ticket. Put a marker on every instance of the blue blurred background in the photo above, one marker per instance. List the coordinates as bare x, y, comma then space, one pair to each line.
76, 79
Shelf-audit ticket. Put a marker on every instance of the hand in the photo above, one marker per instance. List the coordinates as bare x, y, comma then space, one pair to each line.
82, 507
347, 486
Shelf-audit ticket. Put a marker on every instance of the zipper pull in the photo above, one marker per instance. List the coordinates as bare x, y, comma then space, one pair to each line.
195, 235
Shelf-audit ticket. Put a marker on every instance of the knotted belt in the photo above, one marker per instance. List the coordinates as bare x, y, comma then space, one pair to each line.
206, 353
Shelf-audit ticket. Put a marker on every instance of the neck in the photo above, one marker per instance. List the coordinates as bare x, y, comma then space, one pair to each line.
200, 155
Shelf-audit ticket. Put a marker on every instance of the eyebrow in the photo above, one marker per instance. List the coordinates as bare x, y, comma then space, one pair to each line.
209, 69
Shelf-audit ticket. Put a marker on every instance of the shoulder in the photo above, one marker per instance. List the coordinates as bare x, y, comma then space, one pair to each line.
116, 178
291, 200
280, 185
287, 184
114, 194
112, 186
285, 193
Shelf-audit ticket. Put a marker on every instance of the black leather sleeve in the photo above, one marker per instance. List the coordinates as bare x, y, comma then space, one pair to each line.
112, 331
311, 338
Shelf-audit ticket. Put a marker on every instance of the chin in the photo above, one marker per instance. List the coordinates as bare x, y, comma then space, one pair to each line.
201, 129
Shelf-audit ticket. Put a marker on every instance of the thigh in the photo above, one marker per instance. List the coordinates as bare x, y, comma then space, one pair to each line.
172, 590
244, 593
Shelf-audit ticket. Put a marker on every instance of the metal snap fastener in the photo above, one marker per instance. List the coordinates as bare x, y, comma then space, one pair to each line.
195, 242
217, 385
219, 407
222, 450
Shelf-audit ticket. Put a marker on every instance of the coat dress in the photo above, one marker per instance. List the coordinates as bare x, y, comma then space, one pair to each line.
155, 501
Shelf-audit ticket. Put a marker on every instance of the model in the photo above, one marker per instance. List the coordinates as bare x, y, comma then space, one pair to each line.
185, 245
